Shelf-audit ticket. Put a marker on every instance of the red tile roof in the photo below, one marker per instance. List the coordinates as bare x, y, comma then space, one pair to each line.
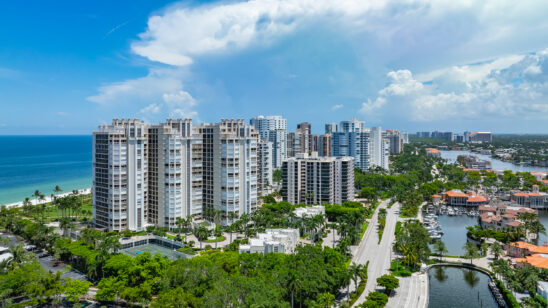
456, 194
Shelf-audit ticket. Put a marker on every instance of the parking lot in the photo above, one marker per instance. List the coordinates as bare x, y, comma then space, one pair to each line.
50, 264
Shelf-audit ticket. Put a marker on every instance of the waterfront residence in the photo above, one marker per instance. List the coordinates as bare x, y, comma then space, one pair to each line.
433, 152
534, 199
273, 240
528, 254
501, 216
456, 197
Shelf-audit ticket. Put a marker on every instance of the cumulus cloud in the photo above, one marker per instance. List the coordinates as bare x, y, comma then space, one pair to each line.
181, 33
336, 107
161, 91
514, 86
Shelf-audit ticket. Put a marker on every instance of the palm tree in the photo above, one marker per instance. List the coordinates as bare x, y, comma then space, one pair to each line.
56, 190
200, 233
496, 250
440, 248
179, 221
36, 194
245, 220
18, 256
232, 216
355, 271
27, 206
65, 224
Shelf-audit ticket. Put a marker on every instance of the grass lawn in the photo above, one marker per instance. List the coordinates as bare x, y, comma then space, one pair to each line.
405, 216
363, 227
219, 239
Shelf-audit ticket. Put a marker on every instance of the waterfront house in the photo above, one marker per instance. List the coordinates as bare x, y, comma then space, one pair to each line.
456, 197
501, 216
534, 199
433, 152
522, 249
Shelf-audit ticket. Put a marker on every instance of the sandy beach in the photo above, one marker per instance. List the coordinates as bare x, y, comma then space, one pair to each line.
47, 199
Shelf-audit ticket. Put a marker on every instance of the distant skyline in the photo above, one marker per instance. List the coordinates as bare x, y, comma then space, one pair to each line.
68, 66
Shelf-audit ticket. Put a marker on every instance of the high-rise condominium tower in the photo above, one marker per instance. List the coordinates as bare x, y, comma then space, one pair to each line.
120, 175
316, 180
273, 129
153, 174
230, 169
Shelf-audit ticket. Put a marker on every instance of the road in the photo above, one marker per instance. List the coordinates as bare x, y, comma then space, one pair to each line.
412, 292
378, 255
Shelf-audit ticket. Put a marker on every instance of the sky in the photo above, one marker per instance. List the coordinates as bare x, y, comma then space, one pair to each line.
414, 65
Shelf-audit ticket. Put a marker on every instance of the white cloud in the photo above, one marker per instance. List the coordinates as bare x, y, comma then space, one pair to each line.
181, 33
180, 104
506, 89
161, 92
336, 107
151, 109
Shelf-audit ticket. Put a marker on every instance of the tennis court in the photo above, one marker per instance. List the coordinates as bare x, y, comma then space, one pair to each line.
153, 249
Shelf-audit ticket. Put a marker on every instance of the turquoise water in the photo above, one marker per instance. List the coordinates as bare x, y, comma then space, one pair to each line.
28, 163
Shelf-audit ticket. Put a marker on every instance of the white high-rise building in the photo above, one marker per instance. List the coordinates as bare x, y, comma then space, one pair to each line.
264, 159
376, 146
331, 128
230, 169
317, 180
352, 126
273, 129
120, 175
175, 172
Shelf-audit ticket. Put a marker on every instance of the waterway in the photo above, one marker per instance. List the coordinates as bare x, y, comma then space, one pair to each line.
454, 232
543, 218
496, 164
458, 287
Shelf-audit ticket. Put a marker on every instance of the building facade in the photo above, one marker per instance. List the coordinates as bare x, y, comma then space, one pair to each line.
316, 180
273, 129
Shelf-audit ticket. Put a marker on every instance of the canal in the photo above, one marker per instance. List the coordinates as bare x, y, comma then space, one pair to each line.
458, 287
454, 232
496, 164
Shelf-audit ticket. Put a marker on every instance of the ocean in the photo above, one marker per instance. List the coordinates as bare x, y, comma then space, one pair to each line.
28, 163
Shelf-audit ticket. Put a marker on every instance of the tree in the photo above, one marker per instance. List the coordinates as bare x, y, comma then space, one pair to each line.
277, 176
375, 300
74, 289
326, 300
484, 248
470, 251
368, 193
439, 247
355, 271
496, 250
389, 282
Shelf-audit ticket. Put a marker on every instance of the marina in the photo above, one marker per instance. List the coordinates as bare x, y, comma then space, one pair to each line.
449, 225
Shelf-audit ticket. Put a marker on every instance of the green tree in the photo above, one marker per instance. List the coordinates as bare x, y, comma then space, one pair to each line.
496, 250
389, 283
375, 300
74, 289
440, 248
470, 251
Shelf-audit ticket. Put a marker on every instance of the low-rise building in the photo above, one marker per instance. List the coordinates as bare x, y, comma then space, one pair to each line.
534, 199
526, 254
273, 240
542, 289
456, 197
433, 152
309, 211
501, 216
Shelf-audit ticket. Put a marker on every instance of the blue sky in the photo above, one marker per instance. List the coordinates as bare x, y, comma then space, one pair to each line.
68, 66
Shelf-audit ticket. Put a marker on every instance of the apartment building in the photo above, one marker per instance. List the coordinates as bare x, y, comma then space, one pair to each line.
321, 144
264, 159
230, 168
153, 174
174, 172
310, 179
120, 175
331, 128
273, 129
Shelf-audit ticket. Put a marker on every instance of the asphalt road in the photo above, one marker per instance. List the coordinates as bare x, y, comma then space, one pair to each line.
413, 292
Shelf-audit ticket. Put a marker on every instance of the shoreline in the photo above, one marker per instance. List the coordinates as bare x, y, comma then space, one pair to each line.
85, 191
